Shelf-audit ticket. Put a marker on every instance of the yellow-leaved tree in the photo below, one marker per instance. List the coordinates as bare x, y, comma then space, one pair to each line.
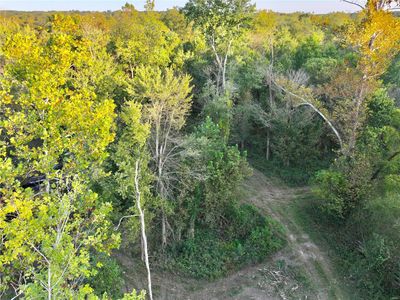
54, 130
167, 102
376, 40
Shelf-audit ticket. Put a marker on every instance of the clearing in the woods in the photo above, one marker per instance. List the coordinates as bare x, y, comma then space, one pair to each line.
302, 270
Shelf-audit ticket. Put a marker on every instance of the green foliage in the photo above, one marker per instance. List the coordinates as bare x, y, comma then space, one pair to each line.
223, 24
363, 190
377, 267
309, 48
345, 187
65, 79
247, 238
226, 167
331, 189
321, 69
381, 109
201, 257
221, 19
55, 130
378, 262
135, 296
143, 39
108, 278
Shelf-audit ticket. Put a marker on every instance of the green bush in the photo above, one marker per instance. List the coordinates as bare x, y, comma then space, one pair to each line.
293, 175
331, 188
108, 278
248, 238
200, 257
366, 244
261, 243
344, 187
377, 267
244, 217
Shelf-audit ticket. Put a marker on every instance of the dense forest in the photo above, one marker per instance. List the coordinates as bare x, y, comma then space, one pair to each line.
133, 136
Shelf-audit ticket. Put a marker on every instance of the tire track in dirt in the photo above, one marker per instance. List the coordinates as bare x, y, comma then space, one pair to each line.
274, 199
257, 282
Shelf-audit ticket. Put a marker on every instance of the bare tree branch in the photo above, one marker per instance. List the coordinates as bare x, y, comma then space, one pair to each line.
124, 217
354, 3
308, 103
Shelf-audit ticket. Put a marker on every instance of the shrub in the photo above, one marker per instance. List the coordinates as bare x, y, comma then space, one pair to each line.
108, 278
248, 238
261, 243
377, 268
331, 188
345, 186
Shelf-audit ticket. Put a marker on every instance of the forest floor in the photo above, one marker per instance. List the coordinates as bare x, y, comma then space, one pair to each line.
301, 270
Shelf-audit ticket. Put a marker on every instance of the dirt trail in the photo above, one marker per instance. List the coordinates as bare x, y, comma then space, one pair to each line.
299, 271
275, 199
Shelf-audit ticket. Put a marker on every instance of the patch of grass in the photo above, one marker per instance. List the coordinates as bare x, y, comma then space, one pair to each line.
292, 176
235, 291
321, 272
249, 238
328, 234
300, 277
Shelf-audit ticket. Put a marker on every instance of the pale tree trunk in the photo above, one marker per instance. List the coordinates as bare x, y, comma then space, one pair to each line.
131, 71
327, 121
271, 96
218, 80
163, 215
219, 63
142, 249
179, 234
191, 228
49, 285
225, 66
49, 290
267, 155
354, 130
159, 151
143, 228
164, 229
222, 63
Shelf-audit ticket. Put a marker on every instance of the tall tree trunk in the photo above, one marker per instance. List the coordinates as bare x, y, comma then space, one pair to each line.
143, 229
225, 64
179, 233
357, 116
191, 228
224, 75
49, 287
271, 95
142, 248
164, 229
268, 151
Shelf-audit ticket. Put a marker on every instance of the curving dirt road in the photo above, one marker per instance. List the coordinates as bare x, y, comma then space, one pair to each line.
301, 270
275, 199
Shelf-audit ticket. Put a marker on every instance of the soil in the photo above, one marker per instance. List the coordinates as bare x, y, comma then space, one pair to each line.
302, 270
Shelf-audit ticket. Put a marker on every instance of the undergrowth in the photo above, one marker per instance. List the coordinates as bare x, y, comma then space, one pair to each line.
248, 238
292, 175
359, 276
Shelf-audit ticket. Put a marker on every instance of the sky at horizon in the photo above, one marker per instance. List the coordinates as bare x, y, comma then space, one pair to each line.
316, 6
